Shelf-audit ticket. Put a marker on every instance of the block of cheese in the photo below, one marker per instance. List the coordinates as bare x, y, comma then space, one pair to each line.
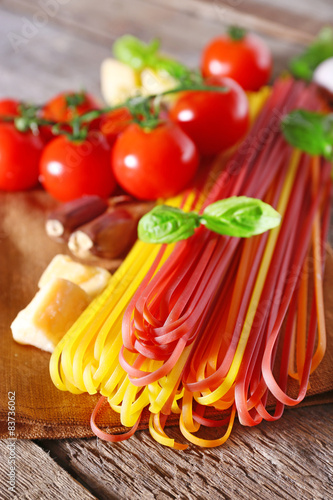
50, 314
118, 81
156, 82
91, 279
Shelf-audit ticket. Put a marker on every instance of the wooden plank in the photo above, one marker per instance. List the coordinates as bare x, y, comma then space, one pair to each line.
296, 21
49, 62
37, 475
290, 458
68, 50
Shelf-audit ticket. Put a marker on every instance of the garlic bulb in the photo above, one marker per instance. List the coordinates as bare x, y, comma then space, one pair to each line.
323, 75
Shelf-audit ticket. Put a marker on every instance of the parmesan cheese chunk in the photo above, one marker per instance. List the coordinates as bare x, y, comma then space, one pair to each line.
50, 314
91, 279
156, 82
118, 81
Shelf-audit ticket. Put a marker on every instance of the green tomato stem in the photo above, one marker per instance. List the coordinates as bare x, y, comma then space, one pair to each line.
236, 33
143, 109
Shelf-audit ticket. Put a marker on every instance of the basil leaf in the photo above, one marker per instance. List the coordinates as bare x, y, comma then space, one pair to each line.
132, 51
139, 55
174, 68
166, 224
309, 131
321, 49
240, 216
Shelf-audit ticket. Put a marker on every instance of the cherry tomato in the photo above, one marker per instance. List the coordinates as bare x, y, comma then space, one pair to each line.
215, 121
247, 60
9, 107
115, 122
19, 158
69, 170
154, 164
64, 107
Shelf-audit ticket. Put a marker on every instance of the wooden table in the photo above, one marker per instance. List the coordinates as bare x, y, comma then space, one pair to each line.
45, 51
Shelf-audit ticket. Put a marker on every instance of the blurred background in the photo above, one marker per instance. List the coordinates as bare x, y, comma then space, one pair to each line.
52, 45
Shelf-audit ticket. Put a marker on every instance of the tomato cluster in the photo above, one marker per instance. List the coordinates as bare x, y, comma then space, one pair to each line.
116, 149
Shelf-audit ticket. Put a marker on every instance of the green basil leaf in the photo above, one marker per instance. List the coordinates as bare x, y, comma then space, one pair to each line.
132, 51
166, 224
139, 55
240, 216
309, 131
321, 49
174, 68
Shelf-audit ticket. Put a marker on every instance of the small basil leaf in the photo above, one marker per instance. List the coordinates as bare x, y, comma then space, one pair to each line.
240, 216
132, 51
139, 55
174, 68
321, 49
166, 224
309, 131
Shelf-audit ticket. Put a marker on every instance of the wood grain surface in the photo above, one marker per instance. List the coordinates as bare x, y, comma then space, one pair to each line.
38, 476
270, 461
291, 458
63, 50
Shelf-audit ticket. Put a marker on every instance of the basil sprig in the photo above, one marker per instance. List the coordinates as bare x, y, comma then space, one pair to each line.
321, 49
237, 216
139, 55
309, 131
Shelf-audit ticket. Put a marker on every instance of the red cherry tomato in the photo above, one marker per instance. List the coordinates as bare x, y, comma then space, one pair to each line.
215, 121
154, 164
247, 60
9, 107
69, 170
64, 107
115, 122
19, 158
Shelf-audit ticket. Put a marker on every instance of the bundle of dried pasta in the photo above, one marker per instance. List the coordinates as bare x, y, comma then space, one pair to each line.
199, 324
